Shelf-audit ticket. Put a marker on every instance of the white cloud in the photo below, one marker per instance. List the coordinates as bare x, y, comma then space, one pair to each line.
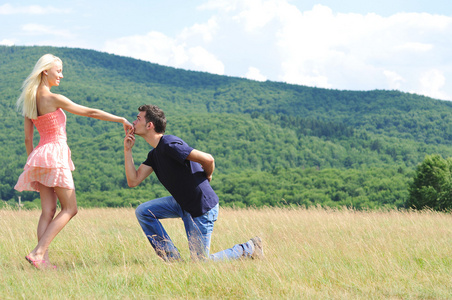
394, 79
255, 74
255, 14
205, 32
316, 47
159, 48
154, 47
351, 51
7, 42
8, 9
38, 29
431, 84
202, 60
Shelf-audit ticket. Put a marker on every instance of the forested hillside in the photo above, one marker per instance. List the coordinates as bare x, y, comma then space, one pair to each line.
274, 143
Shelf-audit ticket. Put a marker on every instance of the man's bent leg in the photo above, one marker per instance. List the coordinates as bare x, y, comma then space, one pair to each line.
236, 252
251, 249
148, 215
199, 233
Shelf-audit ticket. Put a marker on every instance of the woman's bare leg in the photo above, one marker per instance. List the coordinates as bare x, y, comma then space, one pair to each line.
68, 210
49, 206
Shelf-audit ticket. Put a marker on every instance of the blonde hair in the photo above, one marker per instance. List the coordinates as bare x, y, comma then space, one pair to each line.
27, 100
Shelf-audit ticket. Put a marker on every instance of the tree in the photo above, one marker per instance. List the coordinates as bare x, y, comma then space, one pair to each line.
432, 184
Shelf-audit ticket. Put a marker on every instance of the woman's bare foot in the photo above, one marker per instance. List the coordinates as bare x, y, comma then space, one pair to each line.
37, 263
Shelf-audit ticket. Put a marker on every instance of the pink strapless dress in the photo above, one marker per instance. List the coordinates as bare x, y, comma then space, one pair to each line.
50, 162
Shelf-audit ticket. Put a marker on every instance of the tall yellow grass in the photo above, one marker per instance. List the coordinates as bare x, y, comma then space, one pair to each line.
310, 254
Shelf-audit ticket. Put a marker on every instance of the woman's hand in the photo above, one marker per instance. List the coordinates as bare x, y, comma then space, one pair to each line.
127, 126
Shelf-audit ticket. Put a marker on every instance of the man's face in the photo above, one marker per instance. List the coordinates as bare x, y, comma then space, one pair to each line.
140, 123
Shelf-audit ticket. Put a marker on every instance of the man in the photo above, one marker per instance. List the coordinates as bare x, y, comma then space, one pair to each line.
186, 173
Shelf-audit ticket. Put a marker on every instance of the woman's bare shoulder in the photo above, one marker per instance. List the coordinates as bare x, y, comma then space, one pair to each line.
49, 102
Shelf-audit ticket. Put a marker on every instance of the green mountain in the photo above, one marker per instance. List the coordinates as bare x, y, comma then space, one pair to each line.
274, 143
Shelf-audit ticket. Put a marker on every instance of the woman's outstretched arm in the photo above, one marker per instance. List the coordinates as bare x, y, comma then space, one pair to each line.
74, 108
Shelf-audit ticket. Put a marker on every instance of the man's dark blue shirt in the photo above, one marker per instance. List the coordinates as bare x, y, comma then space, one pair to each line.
184, 179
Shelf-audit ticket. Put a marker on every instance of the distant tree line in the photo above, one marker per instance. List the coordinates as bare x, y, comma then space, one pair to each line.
274, 143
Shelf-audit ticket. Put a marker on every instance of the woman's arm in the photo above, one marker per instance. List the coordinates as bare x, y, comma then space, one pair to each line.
28, 129
66, 104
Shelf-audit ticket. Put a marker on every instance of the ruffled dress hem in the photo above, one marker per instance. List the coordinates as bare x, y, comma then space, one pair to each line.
30, 179
50, 163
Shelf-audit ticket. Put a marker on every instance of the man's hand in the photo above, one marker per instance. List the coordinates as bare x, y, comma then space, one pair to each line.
134, 176
129, 140
205, 159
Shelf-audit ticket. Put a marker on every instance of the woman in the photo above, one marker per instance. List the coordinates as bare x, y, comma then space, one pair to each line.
49, 166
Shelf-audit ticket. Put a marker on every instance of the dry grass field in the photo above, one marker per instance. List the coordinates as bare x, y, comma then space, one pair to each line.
310, 254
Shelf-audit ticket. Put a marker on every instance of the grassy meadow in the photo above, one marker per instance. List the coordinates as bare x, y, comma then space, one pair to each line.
310, 254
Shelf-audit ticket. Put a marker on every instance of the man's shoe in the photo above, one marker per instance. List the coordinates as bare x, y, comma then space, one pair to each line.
258, 250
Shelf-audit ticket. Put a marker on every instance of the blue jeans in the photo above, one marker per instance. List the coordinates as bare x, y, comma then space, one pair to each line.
198, 230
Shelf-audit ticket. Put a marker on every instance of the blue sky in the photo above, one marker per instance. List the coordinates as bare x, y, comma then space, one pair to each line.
338, 44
